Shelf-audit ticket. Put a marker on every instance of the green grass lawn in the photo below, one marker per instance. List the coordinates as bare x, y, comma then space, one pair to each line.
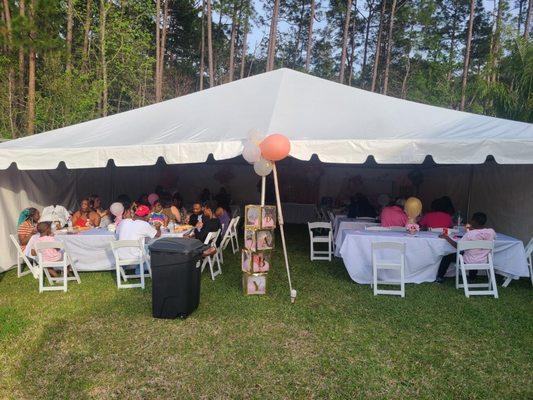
337, 341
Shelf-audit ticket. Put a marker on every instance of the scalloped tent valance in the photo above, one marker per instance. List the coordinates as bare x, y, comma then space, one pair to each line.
339, 123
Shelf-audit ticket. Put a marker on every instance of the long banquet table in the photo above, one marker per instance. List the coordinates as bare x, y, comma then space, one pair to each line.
90, 250
423, 254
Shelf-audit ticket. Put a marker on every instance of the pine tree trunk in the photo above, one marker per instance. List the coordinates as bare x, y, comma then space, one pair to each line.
310, 37
528, 20
365, 47
232, 45
162, 49
378, 47
10, 74
103, 61
520, 15
451, 58
86, 30
345, 40
389, 47
202, 48
210, 46
495, 50
31, 71
157, 49
20, 83
273, 37
298, 35
244, 45
70, 23
467, 54
351, 57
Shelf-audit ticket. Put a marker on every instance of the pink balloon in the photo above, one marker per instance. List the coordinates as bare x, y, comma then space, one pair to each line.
275, 147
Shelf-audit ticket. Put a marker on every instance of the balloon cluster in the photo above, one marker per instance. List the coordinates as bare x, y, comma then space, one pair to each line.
263, 152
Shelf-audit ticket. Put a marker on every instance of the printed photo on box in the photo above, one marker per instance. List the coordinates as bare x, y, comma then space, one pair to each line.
254, 284
252, 216
265, 240
268, 217
246, 265
249, 239
261, 261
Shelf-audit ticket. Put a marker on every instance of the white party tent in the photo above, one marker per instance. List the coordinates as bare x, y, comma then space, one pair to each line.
338, 123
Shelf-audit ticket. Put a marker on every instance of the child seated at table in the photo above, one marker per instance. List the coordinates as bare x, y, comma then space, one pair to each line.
157, 216
51, 255
475, 231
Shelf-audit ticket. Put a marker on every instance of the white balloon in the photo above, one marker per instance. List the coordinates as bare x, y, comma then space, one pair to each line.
116, 209
263, 167
255, 136
251, 152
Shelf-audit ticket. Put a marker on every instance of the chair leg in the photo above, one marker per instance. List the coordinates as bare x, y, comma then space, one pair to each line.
119, 273
375, 279
492, 279
141, 273
402, 280
65, 277
211, 268
41, 279
465, 281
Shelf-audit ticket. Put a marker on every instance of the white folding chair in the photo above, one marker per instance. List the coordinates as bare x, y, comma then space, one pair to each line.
23, 259
397, 263
529, 257
236, 212
211, 240
121, 264
63, 264
377, 228
225, 241
331, 217
461, 267
325, 239
233, 235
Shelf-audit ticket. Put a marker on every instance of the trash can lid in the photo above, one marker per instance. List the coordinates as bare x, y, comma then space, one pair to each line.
177, 245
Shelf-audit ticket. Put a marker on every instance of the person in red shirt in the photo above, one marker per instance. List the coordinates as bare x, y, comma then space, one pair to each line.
438, 217
394, 215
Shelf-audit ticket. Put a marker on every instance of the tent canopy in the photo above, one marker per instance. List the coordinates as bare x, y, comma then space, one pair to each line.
336, 122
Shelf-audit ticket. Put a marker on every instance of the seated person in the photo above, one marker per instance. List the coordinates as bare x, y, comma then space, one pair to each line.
360, 207
178, 211
223, 218
208, 223
27, 225
476, 231
85, 216
52, 255
157, 217
437, 217
136, 229
196, 215
394, 215
96, 205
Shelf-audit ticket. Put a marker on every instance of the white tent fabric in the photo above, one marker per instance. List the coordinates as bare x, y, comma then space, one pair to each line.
339, 123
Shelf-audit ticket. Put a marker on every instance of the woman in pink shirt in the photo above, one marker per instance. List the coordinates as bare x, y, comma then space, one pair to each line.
52, 255
394, 215
437, 217
477, 231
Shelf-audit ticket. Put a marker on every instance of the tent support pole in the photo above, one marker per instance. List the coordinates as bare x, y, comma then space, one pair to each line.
470, 181
282, 231
263, 186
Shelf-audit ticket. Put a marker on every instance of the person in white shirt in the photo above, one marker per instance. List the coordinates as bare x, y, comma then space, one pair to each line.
136, 229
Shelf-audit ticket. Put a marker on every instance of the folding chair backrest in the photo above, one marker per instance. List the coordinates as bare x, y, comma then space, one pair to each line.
123, 244
398, 246
211, 238
227, 233
331, 216
319, 225
48, 245
17, 244
236, 222
440, 230
529, 248
475, 244
236, 212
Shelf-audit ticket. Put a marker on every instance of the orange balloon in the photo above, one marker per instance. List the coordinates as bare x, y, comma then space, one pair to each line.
275, 147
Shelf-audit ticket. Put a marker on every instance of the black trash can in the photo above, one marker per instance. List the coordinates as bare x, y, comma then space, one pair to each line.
175, 276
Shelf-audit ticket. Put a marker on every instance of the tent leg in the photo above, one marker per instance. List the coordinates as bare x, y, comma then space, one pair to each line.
282, 231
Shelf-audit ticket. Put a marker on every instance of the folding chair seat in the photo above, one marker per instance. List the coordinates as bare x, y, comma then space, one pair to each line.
23, 259
211, 240
63, 264
325, 237
461, 268
394, 260
137, 258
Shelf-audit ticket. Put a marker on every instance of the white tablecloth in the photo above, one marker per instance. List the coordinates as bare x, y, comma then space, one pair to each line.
423, 254
296, 213
348, 225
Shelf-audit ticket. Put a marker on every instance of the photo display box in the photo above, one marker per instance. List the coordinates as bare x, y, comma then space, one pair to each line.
256, 262
257, 217
254, 284
258, 239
